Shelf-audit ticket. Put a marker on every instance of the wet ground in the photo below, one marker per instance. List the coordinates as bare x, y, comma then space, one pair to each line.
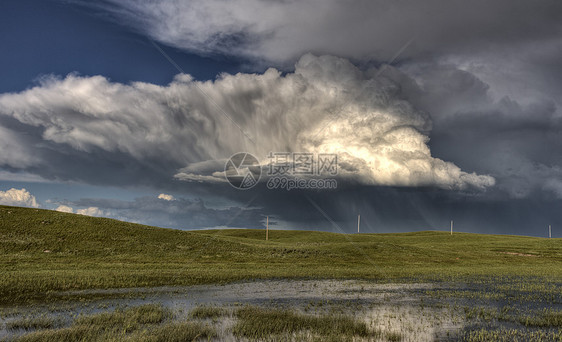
415, 311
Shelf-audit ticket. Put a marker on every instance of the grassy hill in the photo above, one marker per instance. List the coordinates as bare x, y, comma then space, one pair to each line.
44, 252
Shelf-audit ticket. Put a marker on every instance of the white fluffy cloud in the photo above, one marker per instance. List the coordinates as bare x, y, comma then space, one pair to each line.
327, 106
166, 197
18, 197
91, 211
64, 209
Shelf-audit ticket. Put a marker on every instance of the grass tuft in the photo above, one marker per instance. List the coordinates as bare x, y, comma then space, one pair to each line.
130, 318
260, 323
180, 332
206, 312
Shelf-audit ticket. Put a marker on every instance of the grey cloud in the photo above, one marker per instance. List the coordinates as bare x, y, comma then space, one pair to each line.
517, 142
16, 153
205, 171
21, 177
281, 31
526, 72
195, 177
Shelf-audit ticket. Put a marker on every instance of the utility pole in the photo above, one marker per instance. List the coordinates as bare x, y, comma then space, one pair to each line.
266, 228
358, 222
451, 227
549, 232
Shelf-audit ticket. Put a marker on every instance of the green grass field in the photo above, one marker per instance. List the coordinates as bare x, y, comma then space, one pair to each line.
45, 252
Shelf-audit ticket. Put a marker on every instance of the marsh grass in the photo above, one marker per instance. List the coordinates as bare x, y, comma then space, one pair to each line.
34, 323
208, 312
260, 323
179, 332
71, 334
145, 323
511, 335
171, 332
544, 318
128, 319
393, 336
324, 320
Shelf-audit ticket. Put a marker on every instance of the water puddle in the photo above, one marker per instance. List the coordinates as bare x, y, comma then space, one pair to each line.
413, 311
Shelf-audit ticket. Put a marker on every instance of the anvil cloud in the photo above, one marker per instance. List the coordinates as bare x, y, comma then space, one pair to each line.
326, 106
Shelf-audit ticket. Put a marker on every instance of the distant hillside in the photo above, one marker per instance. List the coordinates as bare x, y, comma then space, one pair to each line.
43, 252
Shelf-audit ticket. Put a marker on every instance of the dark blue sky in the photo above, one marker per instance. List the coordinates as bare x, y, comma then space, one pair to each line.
50, 37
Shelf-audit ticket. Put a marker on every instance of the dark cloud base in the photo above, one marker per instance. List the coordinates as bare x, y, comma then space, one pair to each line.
386, 209
382, 210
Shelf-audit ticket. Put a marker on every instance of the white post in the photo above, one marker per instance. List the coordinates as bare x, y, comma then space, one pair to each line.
358, 222
266, 228
451, 227
549, 232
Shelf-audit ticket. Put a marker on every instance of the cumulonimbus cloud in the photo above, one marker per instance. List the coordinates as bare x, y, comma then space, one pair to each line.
327, 105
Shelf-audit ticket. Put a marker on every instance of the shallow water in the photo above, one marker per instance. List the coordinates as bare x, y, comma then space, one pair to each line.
404, 308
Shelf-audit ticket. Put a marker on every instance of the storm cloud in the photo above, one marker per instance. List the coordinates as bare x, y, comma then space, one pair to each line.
281, 31
436, 110
326, 106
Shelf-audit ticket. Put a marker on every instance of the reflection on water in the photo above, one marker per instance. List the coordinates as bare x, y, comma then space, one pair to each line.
417, 311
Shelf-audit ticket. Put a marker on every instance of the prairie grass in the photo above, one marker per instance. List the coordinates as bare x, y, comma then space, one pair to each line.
45, 254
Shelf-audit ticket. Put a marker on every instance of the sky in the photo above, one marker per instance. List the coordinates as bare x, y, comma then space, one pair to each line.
213, 113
